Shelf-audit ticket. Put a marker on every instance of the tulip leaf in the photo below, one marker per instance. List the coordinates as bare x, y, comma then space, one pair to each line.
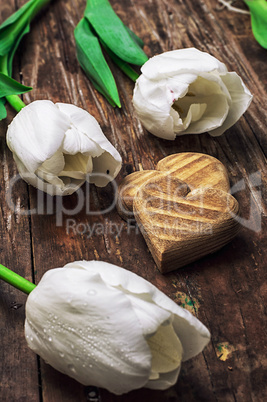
14, 48
125, 67
136, 38
113, 33
17, 23
258, 11
92, 61
3, 113
16, 15
8, 86
12, 27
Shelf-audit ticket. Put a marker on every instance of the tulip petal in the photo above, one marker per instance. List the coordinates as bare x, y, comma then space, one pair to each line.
194, 336
240, 101
32, 146
77, 166
164, 380
213, 115
90, 139
48, 183
70, 317
149, 314
54, 164
166, 350
182, 60
77, 142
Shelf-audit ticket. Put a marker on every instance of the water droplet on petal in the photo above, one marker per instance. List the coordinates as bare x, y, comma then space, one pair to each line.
91, 292
71, 368
50, 339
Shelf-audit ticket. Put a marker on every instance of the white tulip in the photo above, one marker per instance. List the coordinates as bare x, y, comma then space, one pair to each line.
57, 146
107, 327
187, 91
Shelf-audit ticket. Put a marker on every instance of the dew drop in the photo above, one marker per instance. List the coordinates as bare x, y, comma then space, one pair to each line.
50, 339
71, 368
44, 330
61, 354
31, 338
91, 292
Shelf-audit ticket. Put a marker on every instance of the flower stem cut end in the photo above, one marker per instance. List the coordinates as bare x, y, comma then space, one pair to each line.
16, 280
16, 102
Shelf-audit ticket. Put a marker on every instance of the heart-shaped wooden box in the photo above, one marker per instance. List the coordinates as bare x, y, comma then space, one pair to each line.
183, 208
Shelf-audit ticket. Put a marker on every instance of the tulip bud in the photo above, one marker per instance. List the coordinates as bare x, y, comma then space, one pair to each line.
187, 91
58, 146
107, 327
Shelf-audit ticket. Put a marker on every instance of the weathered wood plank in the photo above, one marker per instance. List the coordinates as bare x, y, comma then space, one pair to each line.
19, 370
226, 290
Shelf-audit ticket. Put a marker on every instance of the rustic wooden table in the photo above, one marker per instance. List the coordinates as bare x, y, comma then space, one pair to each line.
225, 290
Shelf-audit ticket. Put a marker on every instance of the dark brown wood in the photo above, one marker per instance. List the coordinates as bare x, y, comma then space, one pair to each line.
226, 290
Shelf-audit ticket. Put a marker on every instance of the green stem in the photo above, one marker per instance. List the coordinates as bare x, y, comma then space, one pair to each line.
3, 64
15, 102
16, 280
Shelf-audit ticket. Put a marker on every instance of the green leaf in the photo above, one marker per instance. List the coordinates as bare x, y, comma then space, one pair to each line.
136, 38
113, 33
258, 11
13, 26
8, 86
16, 15
125, 67
92, 61
3, 112
99, 89
12, 51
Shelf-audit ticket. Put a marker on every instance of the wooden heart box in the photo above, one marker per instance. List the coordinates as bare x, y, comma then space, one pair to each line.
183, 208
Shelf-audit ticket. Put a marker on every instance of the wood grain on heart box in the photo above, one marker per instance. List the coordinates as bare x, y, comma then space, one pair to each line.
183, 208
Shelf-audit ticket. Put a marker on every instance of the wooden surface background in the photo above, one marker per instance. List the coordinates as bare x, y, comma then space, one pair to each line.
226, 290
